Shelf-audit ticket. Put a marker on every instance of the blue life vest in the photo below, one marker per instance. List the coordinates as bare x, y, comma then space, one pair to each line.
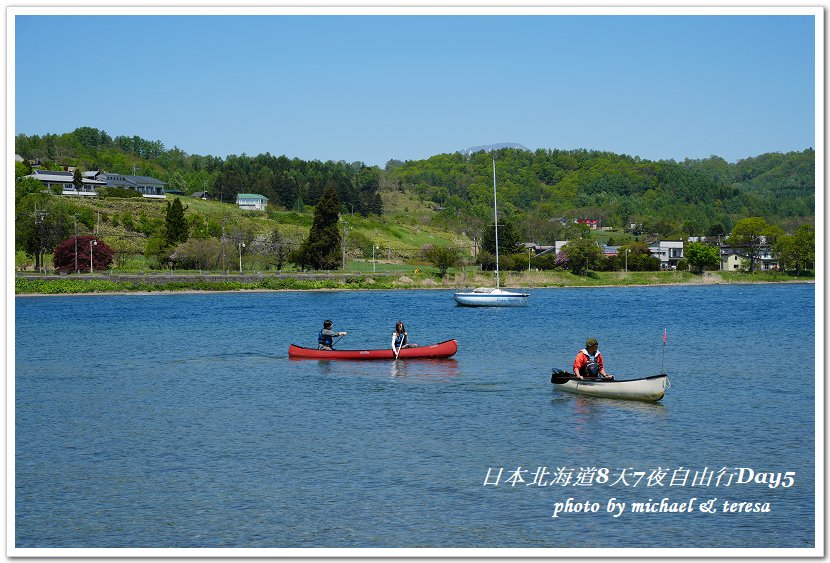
400, 340
325, 339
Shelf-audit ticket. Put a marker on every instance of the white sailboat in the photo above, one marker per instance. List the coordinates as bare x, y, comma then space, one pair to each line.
492, 296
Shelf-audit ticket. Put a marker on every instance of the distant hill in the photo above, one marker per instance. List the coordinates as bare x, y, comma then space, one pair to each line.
495, 147
666, 197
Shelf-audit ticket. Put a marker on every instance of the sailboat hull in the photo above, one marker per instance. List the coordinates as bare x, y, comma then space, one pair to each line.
495, 298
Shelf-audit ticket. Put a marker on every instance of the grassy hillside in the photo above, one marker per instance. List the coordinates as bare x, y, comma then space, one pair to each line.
398, 235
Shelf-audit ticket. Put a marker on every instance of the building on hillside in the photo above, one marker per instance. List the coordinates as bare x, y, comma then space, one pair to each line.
147, 186
201, 195
254, 202
731, 260
609, 251
592, 223
669, 252
63, 179
767, 259
735, 259
537, 249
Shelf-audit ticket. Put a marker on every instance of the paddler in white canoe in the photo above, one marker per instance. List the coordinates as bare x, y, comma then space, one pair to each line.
590, 378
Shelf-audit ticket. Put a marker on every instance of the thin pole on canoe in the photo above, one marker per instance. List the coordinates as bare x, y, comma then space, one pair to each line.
662, 357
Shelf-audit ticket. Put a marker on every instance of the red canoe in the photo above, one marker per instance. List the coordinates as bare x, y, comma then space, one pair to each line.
440, 350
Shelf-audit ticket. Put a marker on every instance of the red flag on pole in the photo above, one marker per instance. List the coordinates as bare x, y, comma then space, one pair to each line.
664, 337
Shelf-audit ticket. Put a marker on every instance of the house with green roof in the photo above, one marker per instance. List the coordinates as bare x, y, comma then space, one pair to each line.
254, 202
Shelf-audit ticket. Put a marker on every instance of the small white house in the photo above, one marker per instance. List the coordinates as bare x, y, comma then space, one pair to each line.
254, 202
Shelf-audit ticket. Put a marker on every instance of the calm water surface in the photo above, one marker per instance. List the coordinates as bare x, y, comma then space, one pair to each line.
179, 421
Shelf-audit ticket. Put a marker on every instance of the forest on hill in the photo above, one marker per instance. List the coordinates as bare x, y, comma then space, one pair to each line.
695, 197
287, 183
662, 198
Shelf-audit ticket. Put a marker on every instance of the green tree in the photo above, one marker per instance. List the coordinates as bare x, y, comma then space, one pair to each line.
716, 230
749, 234
509, 241
175, 224
321, 250
177, 182
157, 252
26, 186
701, 255
125, 247
198, 253
637, 256
21, 169
278, 248
798, 252
582, 255
78, 180
443, 258
42, 221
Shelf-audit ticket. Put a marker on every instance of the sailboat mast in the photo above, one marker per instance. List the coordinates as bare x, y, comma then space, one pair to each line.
496, 221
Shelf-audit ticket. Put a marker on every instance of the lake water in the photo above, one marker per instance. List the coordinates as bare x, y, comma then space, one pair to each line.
178, 421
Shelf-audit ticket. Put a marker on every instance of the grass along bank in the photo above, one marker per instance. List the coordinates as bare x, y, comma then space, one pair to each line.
102, 283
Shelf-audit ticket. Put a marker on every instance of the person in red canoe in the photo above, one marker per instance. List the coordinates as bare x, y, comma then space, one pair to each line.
400, 339
588, 363
325, 340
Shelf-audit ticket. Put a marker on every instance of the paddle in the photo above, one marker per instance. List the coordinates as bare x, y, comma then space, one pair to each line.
559, 376
398, 350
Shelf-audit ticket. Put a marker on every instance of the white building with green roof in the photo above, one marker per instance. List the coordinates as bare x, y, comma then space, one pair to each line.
255, 202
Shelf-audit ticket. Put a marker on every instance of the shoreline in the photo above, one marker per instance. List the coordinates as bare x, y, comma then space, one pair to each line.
429, 288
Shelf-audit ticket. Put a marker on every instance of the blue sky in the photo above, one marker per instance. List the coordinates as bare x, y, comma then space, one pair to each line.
375, 88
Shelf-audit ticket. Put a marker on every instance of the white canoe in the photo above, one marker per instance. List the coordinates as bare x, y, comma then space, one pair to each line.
491, 297
651, 388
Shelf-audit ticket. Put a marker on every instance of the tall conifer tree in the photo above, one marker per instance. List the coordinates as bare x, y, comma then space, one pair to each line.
321, 251
175, 225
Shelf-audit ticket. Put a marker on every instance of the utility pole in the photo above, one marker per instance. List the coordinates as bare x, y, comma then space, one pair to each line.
40, 261
344, 244
77, 271
223, 246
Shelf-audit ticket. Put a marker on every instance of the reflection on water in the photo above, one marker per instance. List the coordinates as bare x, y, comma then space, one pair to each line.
426, 367
585, 410
421, 368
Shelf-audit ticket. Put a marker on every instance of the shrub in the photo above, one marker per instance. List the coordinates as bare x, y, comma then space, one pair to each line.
117, 192
23, 261
544, 262
443, 258
201, 254
64, 255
